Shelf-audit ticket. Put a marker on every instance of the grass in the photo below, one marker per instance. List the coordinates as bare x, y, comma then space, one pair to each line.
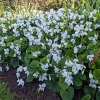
5, 93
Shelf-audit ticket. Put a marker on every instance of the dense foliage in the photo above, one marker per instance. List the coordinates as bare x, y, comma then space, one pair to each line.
61, 48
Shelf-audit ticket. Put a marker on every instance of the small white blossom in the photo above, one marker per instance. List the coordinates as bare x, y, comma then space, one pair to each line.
43, 77
68, 63
0, 57
36, 74
19, 69
18, 74
27, 72
42, 86
56, 69
90, 57
6, 51
45, 67
99, 88
90, 75
20, 82
75, 49
93, 83
0, 69
7, 67
25, 68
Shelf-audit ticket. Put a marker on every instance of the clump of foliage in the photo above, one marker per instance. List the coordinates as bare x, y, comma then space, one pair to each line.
60, 48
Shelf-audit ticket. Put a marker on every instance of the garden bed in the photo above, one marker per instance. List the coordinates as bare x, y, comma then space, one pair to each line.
56, 49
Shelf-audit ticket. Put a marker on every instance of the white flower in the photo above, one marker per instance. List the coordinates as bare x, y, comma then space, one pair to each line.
72, 40
68, 76
42, 86
0, 57
35, 54
75, 49
19, 69
69, 63
0, 69
90, 75
45, 67
90, 57
68, 80
6, 51
7, 67
36, 74
27, 72
11, 46
56, 58
18, 74
20, 82
99, 88
25, 68
56, 69
93, 83
43, 77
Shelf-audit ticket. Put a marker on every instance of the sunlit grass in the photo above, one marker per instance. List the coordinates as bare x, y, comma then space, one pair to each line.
17, 5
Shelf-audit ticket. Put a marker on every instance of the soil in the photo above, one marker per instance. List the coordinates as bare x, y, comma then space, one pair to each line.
29, 90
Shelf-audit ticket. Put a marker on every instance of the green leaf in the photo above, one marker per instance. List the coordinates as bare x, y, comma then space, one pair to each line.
97, 15
2, 59
14, 62
17, 42
67, 95
98, 63
24, 46
86, 97
9, 38
11, 53
93, 51
8, 44
53, 85
89, 90
62, 83
64, 94
77, 82
96, 74
69, 53
53, 63
31, 56
1, 48
27, 60
98, 95
78, 79
70, 92
83, 77
34, 48
34, 64
80, 76
43, 60
29, 78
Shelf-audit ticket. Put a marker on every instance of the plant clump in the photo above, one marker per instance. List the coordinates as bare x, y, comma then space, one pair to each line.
54, 46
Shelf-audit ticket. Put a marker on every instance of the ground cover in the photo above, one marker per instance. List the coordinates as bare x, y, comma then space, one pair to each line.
73, 63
